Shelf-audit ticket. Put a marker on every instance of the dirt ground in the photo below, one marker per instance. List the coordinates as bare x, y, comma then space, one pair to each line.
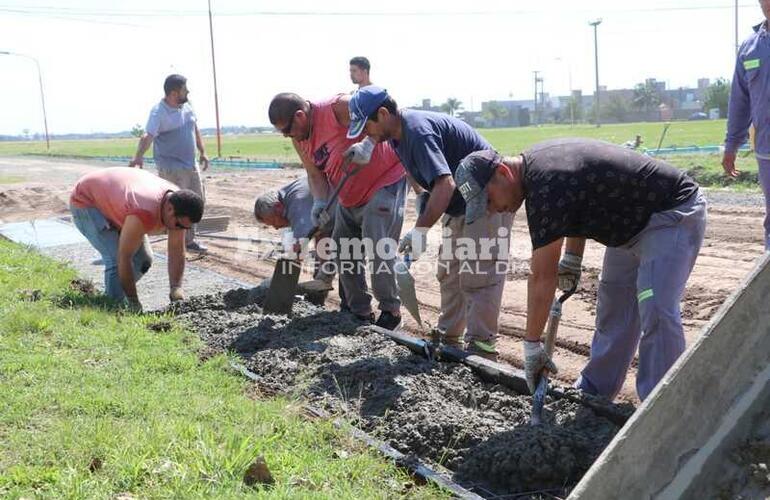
732, 245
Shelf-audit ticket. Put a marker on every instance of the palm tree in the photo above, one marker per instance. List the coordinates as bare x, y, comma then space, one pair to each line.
646, 96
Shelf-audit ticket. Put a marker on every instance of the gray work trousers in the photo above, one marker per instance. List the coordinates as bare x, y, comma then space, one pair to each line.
764, 181
641, 285
379, 219
185, 178
471, 285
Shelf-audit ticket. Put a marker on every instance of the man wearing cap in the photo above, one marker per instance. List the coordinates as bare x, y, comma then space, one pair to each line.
370, 205
650, 215
431, 146
116, 208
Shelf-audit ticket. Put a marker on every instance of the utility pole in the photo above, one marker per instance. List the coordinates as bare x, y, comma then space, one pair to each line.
42, 95
595, 24
216, 95
534, 113
736, 27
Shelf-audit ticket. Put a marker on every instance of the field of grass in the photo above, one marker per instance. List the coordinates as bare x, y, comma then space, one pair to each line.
96, 405
508, 140
706, 167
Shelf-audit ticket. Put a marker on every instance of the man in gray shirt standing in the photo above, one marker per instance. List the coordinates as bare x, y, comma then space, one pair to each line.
173, 132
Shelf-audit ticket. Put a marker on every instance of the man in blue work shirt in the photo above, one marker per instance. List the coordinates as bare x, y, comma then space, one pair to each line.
172, 130
750, 104
431, 146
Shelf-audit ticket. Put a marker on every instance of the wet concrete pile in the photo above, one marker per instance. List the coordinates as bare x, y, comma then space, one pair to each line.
440, 412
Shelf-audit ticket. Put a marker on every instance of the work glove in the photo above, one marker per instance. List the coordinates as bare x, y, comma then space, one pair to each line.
176, 294
421, 202
569, 271
535, 360
319, 208
361, 153
414, 242
133, 304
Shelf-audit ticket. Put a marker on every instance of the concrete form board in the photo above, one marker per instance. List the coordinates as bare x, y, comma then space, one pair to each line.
702, 405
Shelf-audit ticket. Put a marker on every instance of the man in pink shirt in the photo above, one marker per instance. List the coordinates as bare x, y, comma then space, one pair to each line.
116, 208
370, 206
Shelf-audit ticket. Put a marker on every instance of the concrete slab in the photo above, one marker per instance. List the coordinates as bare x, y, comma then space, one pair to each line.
42, 233
676, 444
59, 239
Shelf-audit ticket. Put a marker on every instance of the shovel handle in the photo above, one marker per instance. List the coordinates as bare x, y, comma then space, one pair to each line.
348, 173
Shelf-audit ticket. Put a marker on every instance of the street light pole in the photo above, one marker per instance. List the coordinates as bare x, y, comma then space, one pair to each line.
42, 94
596, 63
736, 27
216, 95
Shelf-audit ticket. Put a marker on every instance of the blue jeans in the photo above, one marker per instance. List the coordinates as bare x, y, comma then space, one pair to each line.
104, 238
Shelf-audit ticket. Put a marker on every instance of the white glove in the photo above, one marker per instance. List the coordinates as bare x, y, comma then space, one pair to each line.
421, 202
414, 242
569, 271
361, 152
535, 360
315, 212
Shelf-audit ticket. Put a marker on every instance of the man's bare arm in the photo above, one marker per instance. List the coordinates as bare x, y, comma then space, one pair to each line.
541, 287
144, 144
176, 260
440, 196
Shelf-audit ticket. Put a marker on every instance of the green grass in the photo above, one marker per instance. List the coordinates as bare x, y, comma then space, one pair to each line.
11, 179
94, 404
705, 168
508, 140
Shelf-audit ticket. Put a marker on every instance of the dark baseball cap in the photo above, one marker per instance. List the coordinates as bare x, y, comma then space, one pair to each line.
364, 102
472, 176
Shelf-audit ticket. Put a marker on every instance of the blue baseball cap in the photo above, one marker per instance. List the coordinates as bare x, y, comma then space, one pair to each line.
364, 102
472, 176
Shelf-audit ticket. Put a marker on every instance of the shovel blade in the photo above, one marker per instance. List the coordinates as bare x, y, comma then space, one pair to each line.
538, 401
283, 286
406, 290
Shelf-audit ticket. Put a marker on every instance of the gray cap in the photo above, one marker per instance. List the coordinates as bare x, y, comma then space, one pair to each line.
472, 176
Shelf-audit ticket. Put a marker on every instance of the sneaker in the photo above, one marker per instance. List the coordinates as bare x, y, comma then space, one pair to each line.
388, 320
485, 350
197, 247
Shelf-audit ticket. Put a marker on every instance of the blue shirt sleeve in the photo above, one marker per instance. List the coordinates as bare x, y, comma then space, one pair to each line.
429, 159
153, 122
738, 109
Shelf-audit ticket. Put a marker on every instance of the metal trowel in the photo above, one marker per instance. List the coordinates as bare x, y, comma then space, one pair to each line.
406, 290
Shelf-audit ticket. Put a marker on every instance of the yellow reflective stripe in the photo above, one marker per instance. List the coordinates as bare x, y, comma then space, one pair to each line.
485, 347
644, 295
751, 64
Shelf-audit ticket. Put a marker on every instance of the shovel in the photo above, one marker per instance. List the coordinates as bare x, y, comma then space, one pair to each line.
406, 291
283, 285
538, 398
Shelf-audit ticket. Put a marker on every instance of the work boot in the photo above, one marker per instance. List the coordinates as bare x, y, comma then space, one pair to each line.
365, 318
388, 320
485, 350
196, 247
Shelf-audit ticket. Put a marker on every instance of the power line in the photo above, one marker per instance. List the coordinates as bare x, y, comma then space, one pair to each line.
67, 12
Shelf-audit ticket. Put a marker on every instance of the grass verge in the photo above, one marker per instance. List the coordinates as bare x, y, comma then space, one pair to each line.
95, 404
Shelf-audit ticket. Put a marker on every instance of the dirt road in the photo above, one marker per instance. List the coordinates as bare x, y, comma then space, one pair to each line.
733, 243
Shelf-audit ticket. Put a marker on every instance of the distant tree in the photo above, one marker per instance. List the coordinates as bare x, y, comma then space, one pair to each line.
617, 108
137, 130
574, 110
717, 95
451, 106
646, 96
495, 112
25, 133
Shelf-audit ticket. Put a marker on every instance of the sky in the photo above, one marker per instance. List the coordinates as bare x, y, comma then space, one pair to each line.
103, 62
